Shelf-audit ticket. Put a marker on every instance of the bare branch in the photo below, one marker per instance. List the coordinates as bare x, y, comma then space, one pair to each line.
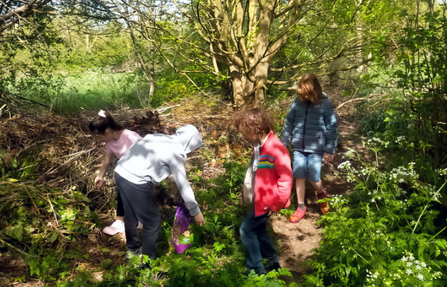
293, 79
8, 19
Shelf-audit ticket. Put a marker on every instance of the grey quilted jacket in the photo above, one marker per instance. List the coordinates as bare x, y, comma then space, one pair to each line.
311, 128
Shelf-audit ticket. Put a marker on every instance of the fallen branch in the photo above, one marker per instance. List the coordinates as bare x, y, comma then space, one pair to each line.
17, 249
164, 109
355, 100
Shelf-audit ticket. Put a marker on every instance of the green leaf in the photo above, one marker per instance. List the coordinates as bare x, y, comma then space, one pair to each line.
15, 232
68, 215
365, 77
53, 236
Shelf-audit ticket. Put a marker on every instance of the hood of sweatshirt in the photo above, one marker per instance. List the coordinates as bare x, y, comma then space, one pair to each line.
189, 137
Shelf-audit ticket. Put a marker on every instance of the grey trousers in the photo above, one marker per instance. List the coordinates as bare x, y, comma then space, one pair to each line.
140, 205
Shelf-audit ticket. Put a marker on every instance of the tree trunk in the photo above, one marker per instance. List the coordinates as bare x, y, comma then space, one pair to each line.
241, 87
431, 6
260, 87
246, 94
250, 93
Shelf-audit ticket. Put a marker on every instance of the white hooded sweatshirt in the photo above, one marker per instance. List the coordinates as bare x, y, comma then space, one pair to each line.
156, 156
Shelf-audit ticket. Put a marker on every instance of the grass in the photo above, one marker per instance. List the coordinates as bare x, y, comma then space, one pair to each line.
98, 89
95, 89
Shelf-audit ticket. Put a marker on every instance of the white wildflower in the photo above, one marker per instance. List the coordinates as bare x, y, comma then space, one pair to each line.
400, 139
350, 153
344, 165
420, 277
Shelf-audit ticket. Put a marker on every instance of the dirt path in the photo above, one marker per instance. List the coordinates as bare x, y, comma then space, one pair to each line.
296, 241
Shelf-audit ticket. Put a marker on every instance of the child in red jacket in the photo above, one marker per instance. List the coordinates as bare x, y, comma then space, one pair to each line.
267, 186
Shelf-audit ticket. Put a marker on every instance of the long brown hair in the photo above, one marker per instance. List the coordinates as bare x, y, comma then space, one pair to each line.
309, 89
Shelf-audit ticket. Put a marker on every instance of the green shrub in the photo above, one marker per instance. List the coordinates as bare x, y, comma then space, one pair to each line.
389, 232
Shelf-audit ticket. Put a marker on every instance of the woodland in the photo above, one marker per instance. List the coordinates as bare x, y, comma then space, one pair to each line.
157, 65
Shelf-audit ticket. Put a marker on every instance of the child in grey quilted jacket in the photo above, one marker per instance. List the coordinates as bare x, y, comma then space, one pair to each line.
311, 129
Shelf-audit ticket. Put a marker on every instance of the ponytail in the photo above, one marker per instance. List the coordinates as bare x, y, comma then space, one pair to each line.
102, 122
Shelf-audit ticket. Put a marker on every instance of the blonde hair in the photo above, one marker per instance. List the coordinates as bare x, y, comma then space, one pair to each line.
309, 89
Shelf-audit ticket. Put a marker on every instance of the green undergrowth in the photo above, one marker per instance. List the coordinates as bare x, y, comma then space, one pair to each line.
391, 231
50, 229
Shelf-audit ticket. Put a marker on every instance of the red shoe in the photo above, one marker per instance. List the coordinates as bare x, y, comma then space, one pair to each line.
298, 215
324, 206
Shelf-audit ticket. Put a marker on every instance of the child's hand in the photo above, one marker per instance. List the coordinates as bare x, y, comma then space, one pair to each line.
199, 219
327, 157
98, 182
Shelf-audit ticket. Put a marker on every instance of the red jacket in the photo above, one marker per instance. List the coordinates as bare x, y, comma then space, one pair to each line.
273, 180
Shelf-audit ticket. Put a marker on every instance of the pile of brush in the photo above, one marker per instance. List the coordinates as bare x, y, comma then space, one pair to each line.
49, 162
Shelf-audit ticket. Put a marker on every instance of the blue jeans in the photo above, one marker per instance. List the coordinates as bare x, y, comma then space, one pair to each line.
257, 243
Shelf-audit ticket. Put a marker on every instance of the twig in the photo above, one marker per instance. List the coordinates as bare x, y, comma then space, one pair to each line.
164, 109
5, 275
354, 100
78, 153
17, 249
26, 167
88, 223
57, 223
32, 200
34, 102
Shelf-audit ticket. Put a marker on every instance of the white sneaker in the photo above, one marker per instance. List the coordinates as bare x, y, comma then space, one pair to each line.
116, 227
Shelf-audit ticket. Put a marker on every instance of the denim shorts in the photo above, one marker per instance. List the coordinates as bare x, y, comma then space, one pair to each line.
307, 165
